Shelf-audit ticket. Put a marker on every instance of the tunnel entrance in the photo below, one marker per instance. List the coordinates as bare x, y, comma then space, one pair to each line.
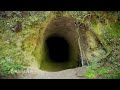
58, 49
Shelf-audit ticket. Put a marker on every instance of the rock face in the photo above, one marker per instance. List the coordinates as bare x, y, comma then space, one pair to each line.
91, 46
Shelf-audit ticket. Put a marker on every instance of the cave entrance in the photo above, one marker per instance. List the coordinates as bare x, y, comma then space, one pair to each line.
58, 49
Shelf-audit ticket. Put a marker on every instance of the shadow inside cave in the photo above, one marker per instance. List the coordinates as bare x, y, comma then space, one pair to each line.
58, 49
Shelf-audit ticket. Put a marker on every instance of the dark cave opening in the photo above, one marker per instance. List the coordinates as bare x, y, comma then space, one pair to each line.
58, 49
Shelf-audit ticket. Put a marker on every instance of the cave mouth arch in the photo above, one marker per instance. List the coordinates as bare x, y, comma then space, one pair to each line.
58, 49
59, 34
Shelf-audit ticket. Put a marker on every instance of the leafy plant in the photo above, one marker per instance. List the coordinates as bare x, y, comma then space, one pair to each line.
10, 67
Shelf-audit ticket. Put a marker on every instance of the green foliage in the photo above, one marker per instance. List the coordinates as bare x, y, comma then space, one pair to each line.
90, 73
10, 67
78, 15
102, 72
109, 68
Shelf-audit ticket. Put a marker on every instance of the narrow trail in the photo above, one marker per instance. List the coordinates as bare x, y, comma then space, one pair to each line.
76, 73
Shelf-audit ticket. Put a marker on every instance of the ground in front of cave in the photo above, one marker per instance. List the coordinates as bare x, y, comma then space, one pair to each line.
32, 73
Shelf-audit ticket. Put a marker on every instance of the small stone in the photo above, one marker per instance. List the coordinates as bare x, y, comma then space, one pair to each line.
18, 27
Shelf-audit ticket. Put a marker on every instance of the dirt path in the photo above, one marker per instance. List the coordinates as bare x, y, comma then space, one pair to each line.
76, 73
